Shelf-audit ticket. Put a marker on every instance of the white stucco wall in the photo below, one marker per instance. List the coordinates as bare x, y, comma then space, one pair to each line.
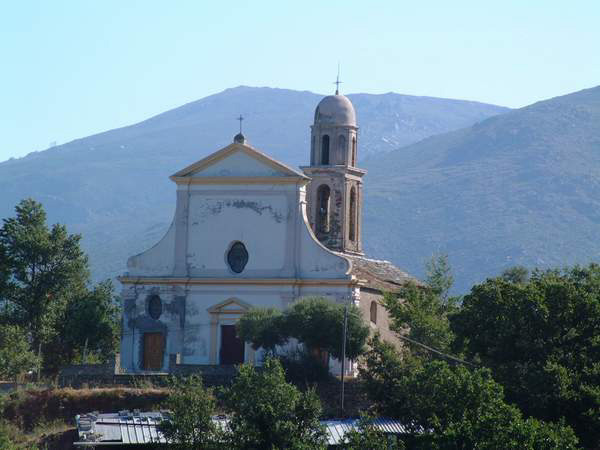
268, 218
257, 217
157, 260
186, 320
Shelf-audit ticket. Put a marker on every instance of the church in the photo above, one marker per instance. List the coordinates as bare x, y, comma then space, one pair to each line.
249, 232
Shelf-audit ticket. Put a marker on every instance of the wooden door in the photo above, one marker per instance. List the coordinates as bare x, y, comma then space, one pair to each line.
232, 347
154, 351
321, 355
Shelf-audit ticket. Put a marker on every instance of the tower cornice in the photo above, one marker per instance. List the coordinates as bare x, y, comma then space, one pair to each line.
339, 169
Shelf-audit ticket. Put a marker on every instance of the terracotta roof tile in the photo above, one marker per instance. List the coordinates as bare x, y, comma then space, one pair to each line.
379, 274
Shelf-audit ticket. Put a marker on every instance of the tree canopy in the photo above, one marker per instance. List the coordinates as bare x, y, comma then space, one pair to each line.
44, 289
16, 358
368, 437
540, 338
422, 313
43, 268
316, 322
190, 425
449, 407
269, 413
263, 327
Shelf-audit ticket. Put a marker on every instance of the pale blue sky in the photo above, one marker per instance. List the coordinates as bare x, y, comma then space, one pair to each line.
74, 68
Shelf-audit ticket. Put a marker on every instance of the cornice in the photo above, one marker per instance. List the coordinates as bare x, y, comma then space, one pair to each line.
239, 180
226, 151
351, 282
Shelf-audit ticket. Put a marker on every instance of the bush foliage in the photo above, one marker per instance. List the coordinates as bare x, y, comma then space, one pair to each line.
452, 406
16, 358
314, 321
263, 411
540, 337
191, 408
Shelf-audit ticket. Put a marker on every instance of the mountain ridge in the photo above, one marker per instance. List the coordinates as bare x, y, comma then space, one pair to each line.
517, 188
113, 186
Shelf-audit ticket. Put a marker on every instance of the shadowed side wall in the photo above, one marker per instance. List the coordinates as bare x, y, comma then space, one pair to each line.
367, 297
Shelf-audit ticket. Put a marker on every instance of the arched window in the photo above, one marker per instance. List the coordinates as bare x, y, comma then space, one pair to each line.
352, 216
353, 151
341, 149
373, 311
312, 151
325, 150
323, 194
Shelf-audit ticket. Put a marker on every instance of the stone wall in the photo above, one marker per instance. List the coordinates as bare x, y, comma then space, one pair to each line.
367, 296
211, 375
108, 374
90, 374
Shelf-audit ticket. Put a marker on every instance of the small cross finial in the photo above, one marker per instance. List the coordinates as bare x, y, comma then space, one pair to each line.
337, 81
240, 119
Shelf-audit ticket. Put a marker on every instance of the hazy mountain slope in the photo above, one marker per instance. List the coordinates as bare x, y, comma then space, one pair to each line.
519, 188
113, 187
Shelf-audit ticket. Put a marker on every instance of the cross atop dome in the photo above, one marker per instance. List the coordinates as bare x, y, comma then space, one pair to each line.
240, 138
337, 81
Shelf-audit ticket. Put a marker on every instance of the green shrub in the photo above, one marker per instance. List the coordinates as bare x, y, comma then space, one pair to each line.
301, 367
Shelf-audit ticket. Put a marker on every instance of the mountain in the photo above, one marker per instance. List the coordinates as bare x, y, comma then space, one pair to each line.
518, 188
113, 187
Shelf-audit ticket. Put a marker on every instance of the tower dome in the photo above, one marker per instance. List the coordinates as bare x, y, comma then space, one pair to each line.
335, 110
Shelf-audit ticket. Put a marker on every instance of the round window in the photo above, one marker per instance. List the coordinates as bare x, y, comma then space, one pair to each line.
237, 257
155, 307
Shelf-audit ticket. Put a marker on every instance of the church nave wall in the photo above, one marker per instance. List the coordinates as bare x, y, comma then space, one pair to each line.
261, 221
153, 316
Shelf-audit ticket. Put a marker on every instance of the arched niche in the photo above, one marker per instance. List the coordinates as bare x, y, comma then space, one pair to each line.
352, 215
322, 213
342, 149
373, 312
325, 150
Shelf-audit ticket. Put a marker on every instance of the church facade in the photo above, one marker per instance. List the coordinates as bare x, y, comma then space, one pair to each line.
249, 232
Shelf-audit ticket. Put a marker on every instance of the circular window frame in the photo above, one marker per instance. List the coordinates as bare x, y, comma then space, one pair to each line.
152, 309
227, 261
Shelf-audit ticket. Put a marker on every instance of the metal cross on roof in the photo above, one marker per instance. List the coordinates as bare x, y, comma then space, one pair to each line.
240, 119
337, 81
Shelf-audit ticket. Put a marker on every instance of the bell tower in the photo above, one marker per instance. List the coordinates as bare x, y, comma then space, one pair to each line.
335, 193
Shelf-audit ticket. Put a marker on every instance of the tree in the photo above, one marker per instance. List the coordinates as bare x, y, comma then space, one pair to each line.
516, 274
43, 289
15, 355
422, 312
44, 268
190, 424
369, 437
263, 327
318, 323
540, 338
451, 407
439, 276
91, 324
314, 321
269, 413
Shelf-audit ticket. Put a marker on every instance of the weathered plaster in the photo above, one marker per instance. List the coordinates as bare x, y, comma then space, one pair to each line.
158, 260
269, 219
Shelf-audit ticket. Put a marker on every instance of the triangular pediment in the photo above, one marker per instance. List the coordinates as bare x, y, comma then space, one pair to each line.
232, 305
237, 161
